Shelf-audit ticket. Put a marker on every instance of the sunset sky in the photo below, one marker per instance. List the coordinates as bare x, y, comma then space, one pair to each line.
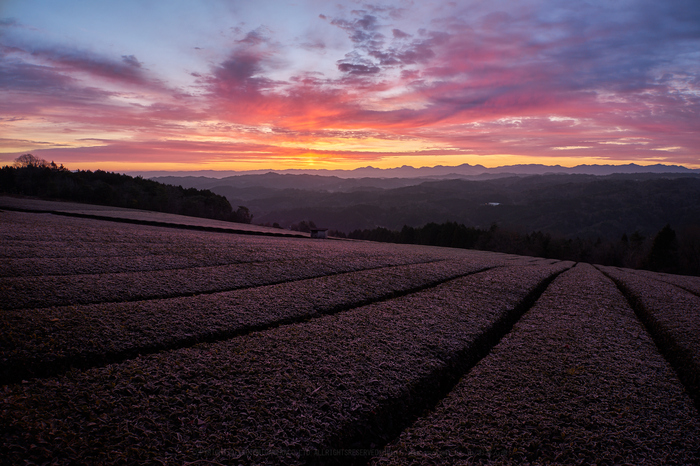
244, 85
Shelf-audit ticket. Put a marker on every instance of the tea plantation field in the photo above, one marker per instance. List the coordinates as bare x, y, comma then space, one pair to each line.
174, 342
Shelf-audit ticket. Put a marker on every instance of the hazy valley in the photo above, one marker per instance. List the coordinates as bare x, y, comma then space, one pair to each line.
561, 204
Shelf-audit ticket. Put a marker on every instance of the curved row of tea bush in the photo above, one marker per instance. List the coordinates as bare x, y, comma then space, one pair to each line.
577, 381
332, 390
688, 283
63, 290
28, 267
126, 259
281, 396
43, 341
672, 315
43, 244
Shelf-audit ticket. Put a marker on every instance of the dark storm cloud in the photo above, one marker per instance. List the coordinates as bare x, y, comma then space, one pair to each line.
358, 68
131, 60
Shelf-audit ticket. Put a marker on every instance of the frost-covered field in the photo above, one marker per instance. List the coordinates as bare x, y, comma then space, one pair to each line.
75, 209
126, 343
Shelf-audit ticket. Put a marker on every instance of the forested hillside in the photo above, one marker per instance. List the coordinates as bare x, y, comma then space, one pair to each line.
665, 251
35, 177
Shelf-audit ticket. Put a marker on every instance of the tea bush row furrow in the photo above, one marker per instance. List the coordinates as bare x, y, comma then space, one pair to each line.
688, 283
57, 290
28, 292
577, 381
46, 341
77, 246
63, 238
672, 316
110, 264
346, 380
124, 215
234, 251
35, 267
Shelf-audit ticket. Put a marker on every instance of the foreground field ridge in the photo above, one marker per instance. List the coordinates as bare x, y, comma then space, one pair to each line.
124, 343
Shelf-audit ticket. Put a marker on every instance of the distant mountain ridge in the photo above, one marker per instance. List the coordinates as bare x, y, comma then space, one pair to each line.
564, 204
439, 171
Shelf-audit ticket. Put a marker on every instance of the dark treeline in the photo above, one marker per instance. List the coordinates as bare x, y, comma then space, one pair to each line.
665, 252
31, 176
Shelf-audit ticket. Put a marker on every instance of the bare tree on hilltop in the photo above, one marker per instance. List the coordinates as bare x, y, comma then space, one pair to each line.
28, 160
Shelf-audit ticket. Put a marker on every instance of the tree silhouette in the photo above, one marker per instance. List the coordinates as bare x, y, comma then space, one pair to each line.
28, 160
663, 256
242, 215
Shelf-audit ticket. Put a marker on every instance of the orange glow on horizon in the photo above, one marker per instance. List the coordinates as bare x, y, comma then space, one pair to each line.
315, 161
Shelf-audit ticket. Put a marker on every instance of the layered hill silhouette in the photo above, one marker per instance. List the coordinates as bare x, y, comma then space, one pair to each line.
570, 205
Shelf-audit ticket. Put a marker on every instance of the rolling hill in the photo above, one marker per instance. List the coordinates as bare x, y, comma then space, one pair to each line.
559, 204
134, 343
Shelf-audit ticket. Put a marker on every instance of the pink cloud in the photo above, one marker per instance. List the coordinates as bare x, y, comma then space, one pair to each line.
458, 84
127, 70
